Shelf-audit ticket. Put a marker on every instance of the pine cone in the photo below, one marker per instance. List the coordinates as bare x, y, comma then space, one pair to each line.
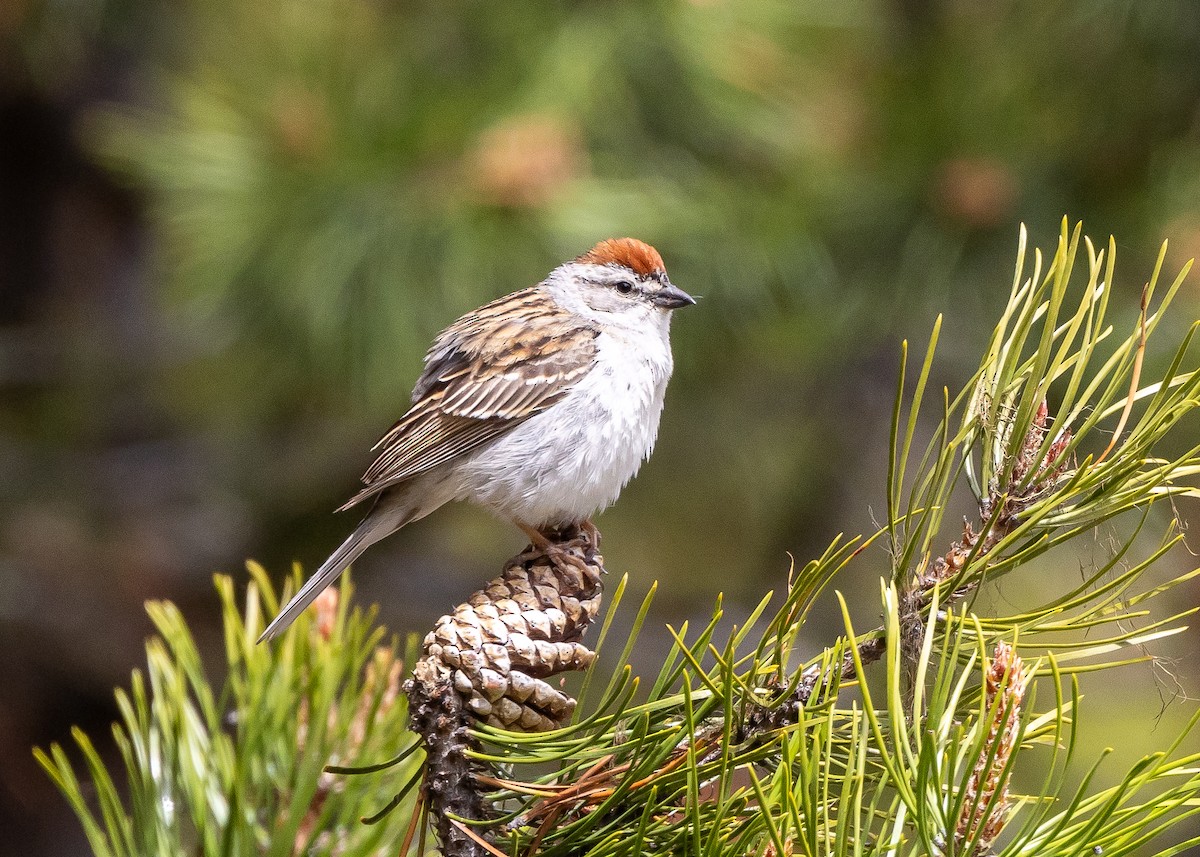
525, 626
490, 660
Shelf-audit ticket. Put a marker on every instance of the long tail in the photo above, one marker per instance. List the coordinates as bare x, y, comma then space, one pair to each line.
377, 525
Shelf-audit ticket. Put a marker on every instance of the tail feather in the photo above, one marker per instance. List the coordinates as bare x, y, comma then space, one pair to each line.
367, 533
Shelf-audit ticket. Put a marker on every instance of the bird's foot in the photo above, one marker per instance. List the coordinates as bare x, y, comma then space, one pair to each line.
565, 548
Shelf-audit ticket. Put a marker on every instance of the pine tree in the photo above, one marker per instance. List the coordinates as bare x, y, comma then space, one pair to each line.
906, 738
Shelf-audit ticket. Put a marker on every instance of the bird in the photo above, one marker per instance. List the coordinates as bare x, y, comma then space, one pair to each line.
539, 406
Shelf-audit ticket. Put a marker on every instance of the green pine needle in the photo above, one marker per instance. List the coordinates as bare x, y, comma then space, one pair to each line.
902, 739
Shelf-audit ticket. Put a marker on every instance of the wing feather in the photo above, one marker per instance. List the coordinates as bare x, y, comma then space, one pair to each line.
484, 375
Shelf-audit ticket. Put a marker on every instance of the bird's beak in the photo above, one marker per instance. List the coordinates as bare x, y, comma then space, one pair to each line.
672, 297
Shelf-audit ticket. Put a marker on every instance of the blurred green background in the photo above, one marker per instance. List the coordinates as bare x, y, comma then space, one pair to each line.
228, 230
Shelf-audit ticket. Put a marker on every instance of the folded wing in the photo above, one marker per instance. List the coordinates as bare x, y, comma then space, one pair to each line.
487, 373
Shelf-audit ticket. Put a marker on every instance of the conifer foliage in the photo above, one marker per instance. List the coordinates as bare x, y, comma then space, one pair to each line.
945, 730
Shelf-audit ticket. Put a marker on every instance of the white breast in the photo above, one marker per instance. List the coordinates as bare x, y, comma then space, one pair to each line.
567, 463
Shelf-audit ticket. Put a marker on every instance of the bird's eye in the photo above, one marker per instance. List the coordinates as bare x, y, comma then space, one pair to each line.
624, 287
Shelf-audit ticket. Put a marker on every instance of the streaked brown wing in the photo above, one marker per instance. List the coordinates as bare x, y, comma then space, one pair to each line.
485, 374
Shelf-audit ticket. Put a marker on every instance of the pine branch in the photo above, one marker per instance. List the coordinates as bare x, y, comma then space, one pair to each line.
1036, 487
236, 767
489, 662
901, 740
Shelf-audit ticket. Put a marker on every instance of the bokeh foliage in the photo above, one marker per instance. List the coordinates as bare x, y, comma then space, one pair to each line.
339, 177
331, 181
334, 180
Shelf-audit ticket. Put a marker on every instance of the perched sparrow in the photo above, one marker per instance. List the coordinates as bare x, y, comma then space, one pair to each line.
539, 406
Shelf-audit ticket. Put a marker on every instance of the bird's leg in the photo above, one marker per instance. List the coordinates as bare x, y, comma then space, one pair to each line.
591, 532
537, 539
562, 558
